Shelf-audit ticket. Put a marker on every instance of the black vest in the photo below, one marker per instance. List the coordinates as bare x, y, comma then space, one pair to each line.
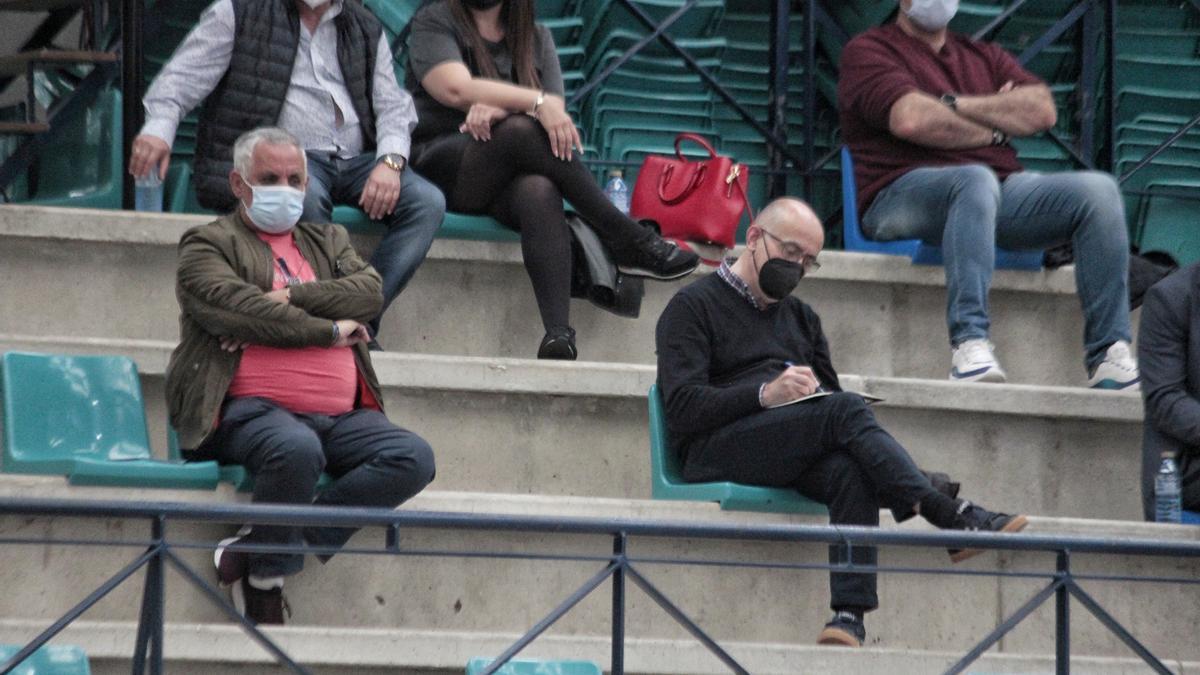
252, 92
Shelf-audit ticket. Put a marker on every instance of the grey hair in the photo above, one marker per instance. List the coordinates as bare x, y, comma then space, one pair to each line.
243, 147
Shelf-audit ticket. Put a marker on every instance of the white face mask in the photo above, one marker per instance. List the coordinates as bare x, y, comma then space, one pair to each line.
932, 15
275, 209
313, 4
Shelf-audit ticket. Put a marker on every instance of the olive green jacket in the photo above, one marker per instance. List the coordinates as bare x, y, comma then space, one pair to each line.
223, 275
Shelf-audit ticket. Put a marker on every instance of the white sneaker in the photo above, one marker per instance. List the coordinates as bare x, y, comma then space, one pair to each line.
1118, 370
973, 361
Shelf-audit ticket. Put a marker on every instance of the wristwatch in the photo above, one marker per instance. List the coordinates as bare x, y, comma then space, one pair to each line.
999, 137
393, 161
950, 101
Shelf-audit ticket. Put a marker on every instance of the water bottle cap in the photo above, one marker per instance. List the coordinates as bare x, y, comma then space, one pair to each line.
616, 173
1167, 454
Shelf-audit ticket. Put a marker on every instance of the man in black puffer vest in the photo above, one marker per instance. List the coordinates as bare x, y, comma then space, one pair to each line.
323, 71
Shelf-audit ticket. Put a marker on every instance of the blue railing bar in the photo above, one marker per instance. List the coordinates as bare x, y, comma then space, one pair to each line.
1155, 152
334, 516
1054, 32
713, 84
1116, 628
247, 625
556, 614
1062, 617
830, 24
810, 94
1092, 41
617, 663
1166, 191
683, 620
74, 613
629, 53
1110, 83
986, 31
1009, 623
1195, 4
150, 620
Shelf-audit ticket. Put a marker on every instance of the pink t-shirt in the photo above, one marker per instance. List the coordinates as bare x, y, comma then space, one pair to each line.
321, 380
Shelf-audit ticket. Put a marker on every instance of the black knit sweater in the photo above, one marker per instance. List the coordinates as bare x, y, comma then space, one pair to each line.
715, 350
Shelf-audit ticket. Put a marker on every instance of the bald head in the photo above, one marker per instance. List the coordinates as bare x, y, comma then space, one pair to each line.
791, 219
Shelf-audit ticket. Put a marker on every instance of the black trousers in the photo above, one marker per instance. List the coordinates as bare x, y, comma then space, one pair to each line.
374, 462
833, 451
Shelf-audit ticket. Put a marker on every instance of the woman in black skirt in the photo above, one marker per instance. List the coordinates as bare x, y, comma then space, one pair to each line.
495, 136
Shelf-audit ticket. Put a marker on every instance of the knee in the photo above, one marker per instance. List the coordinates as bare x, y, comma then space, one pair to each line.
413, 460
537, 189
978, 183
298, 454
426, 199
518, 129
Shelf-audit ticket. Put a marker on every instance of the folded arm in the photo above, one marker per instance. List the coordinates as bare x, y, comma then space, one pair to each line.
1019, 111
355, 294
226, 306
922, 119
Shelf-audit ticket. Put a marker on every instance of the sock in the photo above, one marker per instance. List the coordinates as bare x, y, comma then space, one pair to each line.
264, 583
856, 612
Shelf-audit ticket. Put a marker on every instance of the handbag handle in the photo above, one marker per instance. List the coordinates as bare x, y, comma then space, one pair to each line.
696, 177
698, 140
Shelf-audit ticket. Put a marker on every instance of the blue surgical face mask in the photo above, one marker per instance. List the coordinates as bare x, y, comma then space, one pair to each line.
275, 209
932, 15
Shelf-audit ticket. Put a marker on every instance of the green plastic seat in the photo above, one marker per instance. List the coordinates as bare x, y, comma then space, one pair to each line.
534, 667
666, 476
1157, 42
235, 474
84, 417
83, 166
1169, 223
49, 660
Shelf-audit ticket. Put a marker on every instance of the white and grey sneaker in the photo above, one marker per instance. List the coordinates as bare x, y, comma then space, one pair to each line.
1118, 370
973, 361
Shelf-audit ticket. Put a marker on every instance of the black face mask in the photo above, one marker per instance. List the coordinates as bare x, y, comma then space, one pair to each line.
778, 277
482, 4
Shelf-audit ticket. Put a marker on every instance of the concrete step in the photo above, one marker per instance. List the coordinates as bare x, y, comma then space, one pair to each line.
527, 426
110, 274
223, 650
466, 599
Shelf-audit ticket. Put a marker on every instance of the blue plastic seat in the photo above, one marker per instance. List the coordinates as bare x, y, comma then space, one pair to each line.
84, 417
535, 667
920, 252
455, 226
49, 660
666, 478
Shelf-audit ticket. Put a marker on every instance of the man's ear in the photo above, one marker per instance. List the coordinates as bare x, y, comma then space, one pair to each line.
239, 186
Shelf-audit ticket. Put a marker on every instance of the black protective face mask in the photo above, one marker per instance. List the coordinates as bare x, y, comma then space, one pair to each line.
779, 277
482, 4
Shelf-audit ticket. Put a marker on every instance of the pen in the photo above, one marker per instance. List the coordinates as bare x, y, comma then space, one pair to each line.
820, 387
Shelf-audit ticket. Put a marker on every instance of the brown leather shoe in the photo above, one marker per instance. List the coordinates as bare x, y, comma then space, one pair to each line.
844, 630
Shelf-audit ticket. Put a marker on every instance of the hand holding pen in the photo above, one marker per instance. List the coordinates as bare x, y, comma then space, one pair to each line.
793, 383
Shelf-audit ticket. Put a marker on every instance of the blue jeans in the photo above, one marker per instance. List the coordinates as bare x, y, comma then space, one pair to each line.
969, 212
410, 228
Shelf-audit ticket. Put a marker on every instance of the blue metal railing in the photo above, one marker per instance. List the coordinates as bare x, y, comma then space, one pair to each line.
621, 566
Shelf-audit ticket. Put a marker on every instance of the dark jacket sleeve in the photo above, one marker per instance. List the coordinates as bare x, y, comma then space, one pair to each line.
1162, 359
684, 349
225, 305
355, 294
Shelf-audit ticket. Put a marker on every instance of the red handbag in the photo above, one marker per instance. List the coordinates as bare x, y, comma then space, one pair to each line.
692, 200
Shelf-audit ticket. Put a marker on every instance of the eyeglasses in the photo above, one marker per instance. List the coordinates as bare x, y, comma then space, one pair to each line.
793, 252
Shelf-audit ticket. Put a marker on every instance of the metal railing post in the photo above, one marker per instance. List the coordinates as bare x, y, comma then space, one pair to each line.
131, 86
618, 604
1091, 42
777, 94
1110, 89
1062, 617
810, 94
150, 622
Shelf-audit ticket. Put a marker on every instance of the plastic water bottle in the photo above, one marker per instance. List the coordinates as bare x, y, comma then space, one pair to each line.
148, 192
617, 191
1168, 505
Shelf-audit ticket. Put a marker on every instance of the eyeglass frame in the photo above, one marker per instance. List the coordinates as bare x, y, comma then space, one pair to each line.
808, 262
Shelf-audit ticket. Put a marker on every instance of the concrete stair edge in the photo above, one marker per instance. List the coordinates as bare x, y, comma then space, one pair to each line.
530, 376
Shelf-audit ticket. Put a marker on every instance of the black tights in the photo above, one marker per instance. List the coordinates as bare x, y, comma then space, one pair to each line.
516, 179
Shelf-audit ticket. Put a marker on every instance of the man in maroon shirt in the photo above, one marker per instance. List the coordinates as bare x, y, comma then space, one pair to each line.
928, 114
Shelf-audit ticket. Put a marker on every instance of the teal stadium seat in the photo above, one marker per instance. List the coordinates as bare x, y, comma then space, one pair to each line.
235, 474
84, 417
666, 478
48, 660
534, 667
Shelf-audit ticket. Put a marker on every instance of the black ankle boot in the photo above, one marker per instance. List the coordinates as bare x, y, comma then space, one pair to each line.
559, 343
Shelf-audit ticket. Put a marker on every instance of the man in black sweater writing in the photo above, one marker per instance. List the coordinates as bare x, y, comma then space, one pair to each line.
733, 349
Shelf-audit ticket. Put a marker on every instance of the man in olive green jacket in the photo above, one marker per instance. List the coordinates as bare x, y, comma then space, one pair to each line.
272, 369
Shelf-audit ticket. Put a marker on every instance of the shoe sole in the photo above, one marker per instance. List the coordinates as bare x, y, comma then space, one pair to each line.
1017, 524
837, 637
648, 274
1113, 385
992, 376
